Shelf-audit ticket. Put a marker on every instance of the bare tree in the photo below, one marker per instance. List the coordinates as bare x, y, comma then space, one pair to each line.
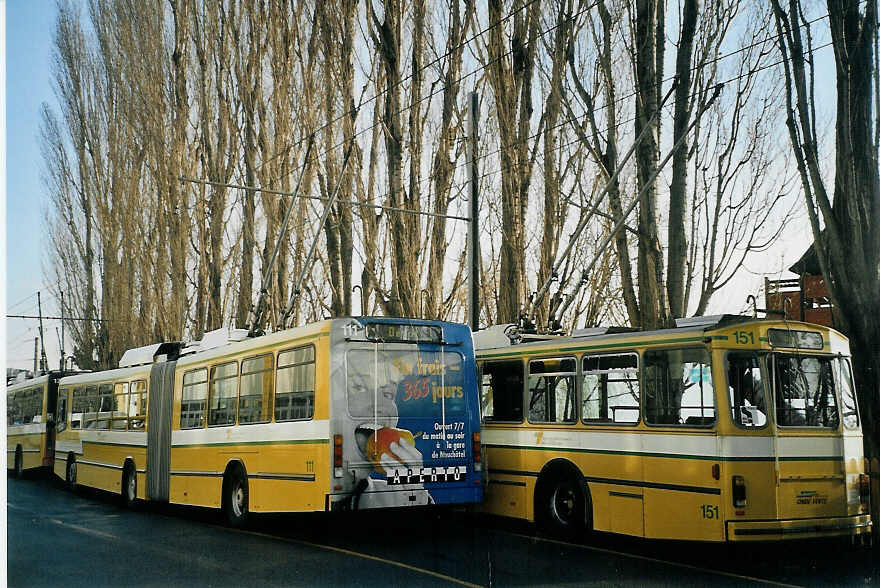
846, 221
510, 75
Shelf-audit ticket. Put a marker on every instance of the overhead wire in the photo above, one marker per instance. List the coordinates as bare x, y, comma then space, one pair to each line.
426, 181
408, 77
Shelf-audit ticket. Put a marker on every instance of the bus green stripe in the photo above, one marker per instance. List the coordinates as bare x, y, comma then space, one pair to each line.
279, 442
109, 443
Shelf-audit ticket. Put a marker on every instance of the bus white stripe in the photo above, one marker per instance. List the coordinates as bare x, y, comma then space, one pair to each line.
134, 438
258, 433
28, 429
673, 445
68, 446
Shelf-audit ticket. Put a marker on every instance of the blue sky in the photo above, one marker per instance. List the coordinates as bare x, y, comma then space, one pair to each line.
29, 26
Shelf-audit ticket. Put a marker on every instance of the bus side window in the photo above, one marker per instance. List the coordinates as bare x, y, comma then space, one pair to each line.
105, 405
611, 389
120, 407
223, 394
192, 402
61, 411
295, 385
502, 391
79, 408
91, 410
137, 405
255, 396
552, 390
679, 388
748, 407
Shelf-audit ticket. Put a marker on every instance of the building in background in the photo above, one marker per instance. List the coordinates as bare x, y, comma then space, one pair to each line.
805, 298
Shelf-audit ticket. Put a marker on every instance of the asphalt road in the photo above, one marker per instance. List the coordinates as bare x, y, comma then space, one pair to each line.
87, 539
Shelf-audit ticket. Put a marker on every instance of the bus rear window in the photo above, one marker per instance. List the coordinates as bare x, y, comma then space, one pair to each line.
399, 382
804, 391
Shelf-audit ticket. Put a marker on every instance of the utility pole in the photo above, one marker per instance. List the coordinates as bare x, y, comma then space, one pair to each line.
36, 354
44, 364
474, 226
62, 330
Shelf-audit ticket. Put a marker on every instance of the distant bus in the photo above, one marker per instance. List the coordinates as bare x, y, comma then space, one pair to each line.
722, 429
29, 430
344, 414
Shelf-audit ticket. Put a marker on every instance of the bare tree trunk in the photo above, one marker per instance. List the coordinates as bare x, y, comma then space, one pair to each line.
511, 81
554, 213
675, 286
652, 300
443, 162
404, 228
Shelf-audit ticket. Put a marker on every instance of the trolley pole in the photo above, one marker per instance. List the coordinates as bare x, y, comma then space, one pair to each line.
474, 226
36, 354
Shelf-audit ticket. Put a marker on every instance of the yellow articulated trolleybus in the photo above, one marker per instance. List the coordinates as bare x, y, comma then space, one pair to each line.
30, 407
724, 428
343, 414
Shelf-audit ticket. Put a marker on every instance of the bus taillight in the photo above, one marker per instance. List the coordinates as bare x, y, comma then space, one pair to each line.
337, 456
864, 489
739, 492
478, 453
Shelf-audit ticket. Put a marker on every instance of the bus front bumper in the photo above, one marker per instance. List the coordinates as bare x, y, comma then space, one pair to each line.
798, 528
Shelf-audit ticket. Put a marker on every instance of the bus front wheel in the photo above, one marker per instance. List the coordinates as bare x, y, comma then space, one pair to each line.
235, 498
19, 463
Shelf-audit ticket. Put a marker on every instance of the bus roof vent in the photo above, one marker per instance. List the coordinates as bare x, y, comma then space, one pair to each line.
590, 332
150, 353
712, 321
497, 336
219, 338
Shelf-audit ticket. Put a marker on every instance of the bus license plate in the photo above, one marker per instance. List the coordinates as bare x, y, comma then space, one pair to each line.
423, 475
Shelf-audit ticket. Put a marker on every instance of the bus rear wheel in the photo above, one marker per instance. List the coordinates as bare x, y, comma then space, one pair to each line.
18, 470
129, 486
70, 475
235, 498
561, 508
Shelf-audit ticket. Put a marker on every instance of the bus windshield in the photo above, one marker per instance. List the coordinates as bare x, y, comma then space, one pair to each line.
805, 395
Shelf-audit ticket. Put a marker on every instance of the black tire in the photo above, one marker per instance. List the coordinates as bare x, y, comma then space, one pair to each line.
235, 498
561, 507
129, 486
70, 474
18, 468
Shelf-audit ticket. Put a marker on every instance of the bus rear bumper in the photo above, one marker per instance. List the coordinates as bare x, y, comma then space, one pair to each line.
798, 528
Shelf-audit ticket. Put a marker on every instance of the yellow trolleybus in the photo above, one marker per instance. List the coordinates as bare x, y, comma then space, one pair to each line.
343, 414
724, 428
30, 406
